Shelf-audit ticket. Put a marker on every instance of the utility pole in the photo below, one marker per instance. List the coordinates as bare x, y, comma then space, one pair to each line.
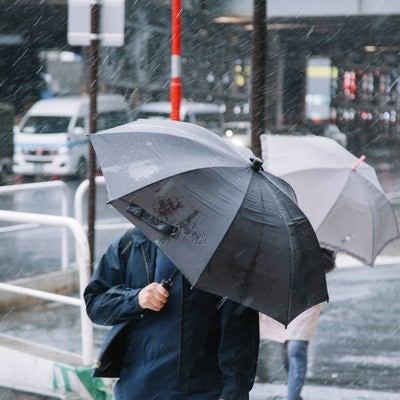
95, 7
258, 75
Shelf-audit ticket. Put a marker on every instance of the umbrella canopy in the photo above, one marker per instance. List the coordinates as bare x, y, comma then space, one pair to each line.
231, 228
340, 194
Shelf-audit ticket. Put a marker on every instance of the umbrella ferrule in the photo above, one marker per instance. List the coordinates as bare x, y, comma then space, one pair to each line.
256, 164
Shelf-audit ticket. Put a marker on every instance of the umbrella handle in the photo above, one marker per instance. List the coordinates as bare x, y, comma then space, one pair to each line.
151, 220
167, 283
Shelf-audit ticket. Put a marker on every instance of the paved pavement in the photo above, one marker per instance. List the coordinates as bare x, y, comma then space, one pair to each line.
315, 392
355, 354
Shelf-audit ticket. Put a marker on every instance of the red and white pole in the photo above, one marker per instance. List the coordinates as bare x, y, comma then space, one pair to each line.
175, 89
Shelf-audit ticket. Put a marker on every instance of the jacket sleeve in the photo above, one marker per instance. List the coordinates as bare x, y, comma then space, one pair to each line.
238, 350
108, 299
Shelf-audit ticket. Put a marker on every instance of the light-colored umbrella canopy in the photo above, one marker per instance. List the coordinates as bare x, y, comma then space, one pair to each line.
340, 195
160, 149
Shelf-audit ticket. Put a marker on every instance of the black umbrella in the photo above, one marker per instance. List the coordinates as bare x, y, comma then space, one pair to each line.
231, 228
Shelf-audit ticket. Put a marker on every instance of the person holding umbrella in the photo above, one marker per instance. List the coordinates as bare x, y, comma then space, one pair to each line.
296, 337
239, 241
169, 340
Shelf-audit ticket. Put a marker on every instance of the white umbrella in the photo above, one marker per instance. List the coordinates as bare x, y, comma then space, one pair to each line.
340, 194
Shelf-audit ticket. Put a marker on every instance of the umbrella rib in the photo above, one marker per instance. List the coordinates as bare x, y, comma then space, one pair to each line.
278, 204
374, 250
334, 247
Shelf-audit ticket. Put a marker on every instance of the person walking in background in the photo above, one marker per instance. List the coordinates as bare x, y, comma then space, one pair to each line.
295, 339
168, 342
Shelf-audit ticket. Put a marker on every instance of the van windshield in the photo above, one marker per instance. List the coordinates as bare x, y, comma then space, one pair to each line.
40, 124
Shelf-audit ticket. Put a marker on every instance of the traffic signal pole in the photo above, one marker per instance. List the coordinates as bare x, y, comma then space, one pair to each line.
175, 89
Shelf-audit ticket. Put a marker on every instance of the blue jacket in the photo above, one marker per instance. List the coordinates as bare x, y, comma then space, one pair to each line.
230, 331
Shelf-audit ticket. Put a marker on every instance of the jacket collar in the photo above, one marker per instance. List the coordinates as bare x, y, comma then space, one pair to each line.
138, 237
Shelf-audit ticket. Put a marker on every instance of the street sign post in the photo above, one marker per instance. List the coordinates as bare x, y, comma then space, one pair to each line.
93, 23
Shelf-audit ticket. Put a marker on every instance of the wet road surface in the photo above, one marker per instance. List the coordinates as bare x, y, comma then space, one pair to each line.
356, 346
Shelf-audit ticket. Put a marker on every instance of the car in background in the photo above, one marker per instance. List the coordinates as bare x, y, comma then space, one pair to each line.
6, 141
52, 140
328, 130
207, 115
238, 132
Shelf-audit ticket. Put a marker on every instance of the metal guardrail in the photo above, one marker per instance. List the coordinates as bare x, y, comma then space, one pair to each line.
60, 185
76, 226
83, 262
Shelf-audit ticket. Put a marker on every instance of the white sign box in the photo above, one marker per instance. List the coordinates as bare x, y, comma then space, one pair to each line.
112, 22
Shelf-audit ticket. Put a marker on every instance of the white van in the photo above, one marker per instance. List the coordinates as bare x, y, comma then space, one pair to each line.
51, 138
208, 115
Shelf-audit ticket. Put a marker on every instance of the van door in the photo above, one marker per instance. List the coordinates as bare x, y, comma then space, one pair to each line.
79, 151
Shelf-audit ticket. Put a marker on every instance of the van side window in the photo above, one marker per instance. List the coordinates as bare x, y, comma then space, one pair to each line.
80, 122
110, 119
119, 117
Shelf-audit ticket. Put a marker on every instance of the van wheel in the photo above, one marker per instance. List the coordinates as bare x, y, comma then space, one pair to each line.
81, 169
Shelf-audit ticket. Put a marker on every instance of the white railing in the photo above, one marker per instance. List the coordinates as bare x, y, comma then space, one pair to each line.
76, 226
79, 203
64, 211
80, 195
83, 263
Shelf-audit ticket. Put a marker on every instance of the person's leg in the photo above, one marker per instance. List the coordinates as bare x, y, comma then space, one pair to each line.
297, 367
285, 356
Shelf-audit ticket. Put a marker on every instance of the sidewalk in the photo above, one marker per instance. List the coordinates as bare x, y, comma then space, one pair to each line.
266, 391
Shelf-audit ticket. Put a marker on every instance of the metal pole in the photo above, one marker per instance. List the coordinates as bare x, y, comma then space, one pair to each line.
95, 6
258, 81
175, 90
